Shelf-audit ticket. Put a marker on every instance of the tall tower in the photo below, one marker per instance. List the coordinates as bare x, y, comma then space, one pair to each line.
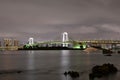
31, 41
64, 39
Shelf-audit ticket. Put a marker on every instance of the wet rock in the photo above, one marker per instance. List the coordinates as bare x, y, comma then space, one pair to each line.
65, 73
100, 71
72, 74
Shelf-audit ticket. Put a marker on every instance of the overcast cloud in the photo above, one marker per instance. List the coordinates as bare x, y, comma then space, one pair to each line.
47, 19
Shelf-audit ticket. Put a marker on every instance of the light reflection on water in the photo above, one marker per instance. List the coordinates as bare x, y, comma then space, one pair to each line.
50, 65
31, 60
65, 59
31, 64
64, 62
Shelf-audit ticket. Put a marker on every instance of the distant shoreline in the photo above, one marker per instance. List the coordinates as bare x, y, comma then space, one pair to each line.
50, 48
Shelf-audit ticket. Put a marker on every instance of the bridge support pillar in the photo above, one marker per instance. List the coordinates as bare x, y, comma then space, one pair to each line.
64, 39
31, 41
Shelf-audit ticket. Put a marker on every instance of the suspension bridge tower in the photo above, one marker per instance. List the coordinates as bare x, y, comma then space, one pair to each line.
65, 39
31, 41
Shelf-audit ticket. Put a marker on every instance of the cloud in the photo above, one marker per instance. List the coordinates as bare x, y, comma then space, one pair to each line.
47, 18
112, 27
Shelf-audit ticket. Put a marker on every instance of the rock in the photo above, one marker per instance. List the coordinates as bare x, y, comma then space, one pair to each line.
65, 73
72, 74
105, 69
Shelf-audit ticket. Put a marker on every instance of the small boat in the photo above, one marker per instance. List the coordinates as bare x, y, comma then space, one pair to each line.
108, 55
106, 51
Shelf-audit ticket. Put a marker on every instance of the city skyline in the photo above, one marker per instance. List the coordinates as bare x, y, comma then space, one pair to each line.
46, 20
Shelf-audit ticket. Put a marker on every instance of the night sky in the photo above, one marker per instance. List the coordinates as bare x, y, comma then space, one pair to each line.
47, 19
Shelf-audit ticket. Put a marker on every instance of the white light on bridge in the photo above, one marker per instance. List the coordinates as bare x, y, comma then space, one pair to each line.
64, 39
31, 41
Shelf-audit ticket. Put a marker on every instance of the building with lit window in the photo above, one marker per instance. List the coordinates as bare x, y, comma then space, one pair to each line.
7, 42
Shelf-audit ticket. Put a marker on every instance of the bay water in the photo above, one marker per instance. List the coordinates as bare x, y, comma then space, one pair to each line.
51, 64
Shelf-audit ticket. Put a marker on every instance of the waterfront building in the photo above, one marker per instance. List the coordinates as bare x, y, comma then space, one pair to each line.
7, 42
10, 44
15, 42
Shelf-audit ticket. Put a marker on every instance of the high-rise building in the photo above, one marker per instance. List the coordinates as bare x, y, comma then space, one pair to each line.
7, 42
10, 42
15, 42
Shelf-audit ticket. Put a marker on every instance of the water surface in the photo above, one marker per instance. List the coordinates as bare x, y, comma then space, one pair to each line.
51, 64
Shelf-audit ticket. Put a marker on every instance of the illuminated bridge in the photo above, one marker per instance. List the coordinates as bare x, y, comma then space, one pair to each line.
107, 44
101, 41
65, 42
